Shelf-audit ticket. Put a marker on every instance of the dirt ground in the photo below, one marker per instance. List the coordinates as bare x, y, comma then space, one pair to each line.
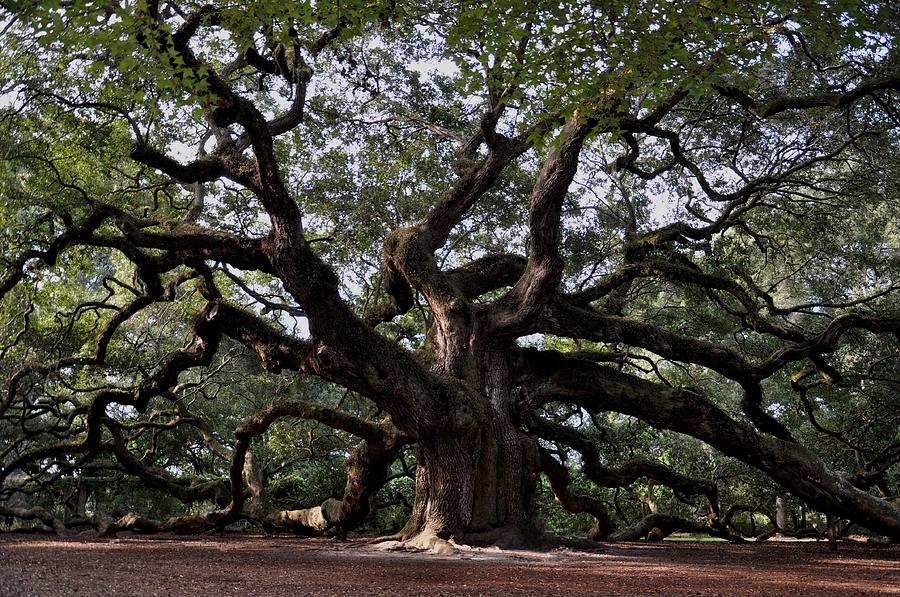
255, 565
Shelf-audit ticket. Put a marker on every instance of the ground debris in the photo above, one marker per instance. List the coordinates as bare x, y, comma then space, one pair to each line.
257, 565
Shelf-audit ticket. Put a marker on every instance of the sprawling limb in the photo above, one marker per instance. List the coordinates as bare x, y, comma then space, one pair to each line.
162, 480
551, 376
199, 353
35, 513
367, 467
16, 272
543, 272
658, 526
278, 351
783, 103
605, 476
560, 485
367, 471
628, 472
564, 319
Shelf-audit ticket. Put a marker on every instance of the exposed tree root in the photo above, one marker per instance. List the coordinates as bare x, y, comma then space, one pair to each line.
505, 538
425, 541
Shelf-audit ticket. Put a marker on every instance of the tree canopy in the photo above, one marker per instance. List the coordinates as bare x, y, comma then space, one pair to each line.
316, 265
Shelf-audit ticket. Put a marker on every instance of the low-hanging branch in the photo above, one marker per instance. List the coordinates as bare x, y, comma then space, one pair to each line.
626, 473
561, 486
548, 376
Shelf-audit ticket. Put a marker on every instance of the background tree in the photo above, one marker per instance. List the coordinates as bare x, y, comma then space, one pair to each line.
508, 238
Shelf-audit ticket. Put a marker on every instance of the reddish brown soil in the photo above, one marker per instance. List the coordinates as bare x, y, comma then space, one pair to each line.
252, 565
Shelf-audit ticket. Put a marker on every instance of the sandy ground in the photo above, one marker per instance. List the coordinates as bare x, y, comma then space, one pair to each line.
256, 565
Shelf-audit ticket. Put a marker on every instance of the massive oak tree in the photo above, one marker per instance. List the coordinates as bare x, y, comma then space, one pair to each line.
499, 227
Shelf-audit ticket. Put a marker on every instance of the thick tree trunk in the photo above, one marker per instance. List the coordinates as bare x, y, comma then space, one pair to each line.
475, 484
477, 475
